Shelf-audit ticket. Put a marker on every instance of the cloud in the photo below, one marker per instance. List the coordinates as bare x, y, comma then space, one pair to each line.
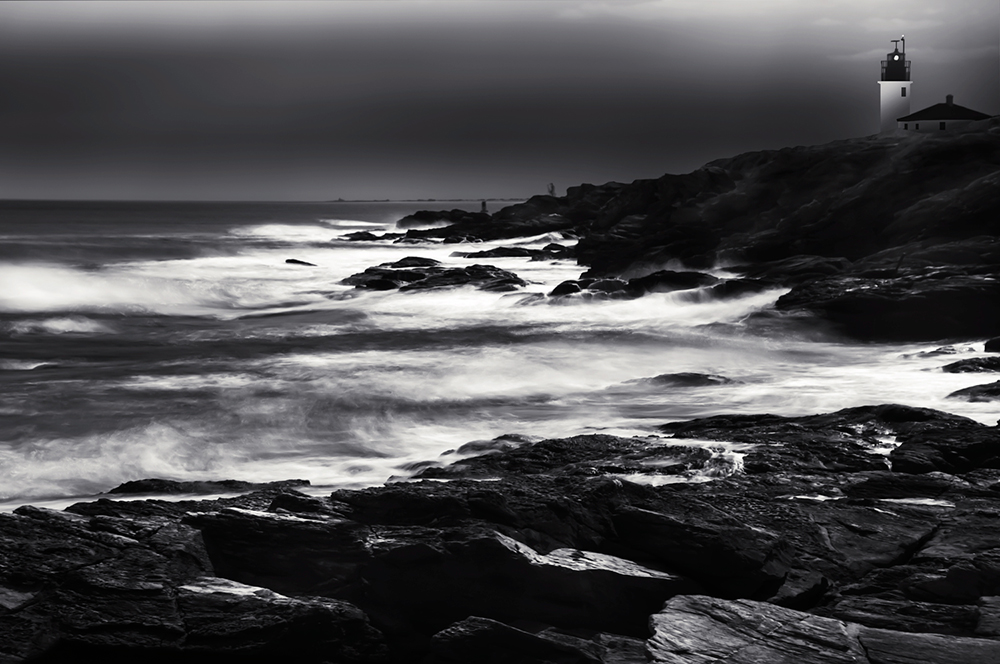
898, 25
956, 55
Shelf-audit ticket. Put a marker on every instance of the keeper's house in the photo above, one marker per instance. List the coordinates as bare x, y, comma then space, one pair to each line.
939, 117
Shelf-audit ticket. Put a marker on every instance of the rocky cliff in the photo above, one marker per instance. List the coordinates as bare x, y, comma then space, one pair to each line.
872, 234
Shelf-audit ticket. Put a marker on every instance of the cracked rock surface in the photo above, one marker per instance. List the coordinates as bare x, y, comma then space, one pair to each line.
706, 629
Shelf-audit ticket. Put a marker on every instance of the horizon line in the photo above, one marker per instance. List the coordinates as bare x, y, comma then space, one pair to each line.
270, 200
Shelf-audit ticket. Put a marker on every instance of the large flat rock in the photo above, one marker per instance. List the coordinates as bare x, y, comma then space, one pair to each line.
697, 629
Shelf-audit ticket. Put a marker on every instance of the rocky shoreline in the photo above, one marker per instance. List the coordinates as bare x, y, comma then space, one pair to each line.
884, 238
866, 535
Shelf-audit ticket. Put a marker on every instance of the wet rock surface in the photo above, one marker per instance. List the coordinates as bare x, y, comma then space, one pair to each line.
551, 251
662, 281
138, 582
915, 306
706, 629
687, 379
160, 486
973, 365
413, 273
986, 392
868, 532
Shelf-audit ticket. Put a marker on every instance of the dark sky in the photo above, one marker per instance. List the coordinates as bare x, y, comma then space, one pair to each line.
409, 99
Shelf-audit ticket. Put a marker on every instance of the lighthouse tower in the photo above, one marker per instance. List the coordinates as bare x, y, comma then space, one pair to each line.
895, 86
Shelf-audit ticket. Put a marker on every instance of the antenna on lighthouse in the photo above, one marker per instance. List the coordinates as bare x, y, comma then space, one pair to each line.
903, 39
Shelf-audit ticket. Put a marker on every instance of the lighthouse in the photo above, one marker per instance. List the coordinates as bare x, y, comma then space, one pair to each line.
894, 86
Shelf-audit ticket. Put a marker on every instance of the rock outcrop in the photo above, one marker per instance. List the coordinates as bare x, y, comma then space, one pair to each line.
414, 273
885, 237
75, 587
818, 547
986, 392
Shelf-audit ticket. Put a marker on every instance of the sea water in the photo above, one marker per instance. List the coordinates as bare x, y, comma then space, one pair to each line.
173, 340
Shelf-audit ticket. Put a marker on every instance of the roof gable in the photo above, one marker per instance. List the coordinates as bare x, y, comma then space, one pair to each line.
944, 111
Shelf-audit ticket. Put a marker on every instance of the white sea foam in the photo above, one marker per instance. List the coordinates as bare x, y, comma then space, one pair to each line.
61, 325
381, 382
295, 233
19, 365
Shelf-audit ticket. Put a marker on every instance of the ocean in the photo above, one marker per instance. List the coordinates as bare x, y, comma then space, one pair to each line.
173, 340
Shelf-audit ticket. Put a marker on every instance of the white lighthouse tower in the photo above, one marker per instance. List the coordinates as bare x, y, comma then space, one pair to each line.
895, 86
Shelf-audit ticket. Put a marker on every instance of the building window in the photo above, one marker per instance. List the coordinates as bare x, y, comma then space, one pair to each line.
906, 125
916, 126
941, 126
903, 91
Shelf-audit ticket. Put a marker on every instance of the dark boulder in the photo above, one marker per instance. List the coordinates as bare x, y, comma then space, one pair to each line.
949, 447
296, 261
666, 281
221, 486
993, 345
550, 251
424, 276
987, 392
379, 274
360, 236
412, 261
608, 286
555, 250
380, 284
565, 288
484, 277
687, 379
973, 365
502, 443
920, 307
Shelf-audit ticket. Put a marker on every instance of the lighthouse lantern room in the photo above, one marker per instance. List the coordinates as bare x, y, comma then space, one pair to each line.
895, 86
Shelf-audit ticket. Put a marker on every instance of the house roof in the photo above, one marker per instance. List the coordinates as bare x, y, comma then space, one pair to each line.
944, 111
